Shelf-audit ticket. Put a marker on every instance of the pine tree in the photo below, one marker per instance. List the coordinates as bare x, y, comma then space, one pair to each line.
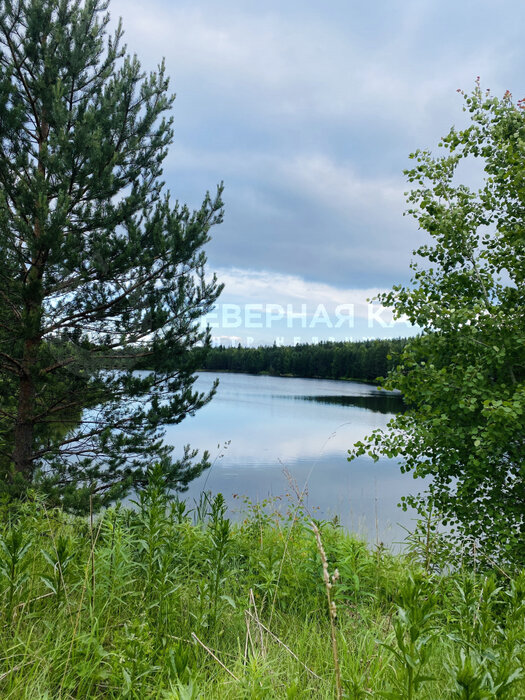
99, 271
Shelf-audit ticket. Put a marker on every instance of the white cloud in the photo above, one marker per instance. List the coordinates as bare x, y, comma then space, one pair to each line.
268, 288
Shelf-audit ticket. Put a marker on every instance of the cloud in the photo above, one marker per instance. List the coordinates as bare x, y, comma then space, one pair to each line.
263, 286
254, 300
307, 215
308, 113
339, 186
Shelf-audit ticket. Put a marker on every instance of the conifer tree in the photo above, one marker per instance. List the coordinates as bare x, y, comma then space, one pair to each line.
98, 269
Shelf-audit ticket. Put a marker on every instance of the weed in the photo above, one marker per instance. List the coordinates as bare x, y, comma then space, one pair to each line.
160, 602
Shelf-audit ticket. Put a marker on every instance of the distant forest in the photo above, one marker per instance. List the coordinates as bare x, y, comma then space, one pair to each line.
364, 360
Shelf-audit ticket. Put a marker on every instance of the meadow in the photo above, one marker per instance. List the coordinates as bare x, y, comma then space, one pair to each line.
160, 600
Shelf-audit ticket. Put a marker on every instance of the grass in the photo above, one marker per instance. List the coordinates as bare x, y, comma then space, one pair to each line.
162, 602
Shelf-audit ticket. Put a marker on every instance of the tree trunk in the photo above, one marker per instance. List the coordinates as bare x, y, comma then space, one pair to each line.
24, 426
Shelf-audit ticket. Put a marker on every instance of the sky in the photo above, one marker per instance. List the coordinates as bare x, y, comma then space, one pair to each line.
308, 111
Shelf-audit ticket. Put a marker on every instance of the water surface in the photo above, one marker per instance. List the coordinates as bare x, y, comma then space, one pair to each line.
263, 431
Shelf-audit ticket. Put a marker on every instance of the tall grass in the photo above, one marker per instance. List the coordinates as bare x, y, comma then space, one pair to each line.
160, 601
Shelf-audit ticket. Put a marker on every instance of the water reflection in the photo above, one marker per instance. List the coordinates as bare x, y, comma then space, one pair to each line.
387, 403
258, 428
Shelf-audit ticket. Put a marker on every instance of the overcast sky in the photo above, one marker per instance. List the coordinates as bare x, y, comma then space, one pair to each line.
308, 111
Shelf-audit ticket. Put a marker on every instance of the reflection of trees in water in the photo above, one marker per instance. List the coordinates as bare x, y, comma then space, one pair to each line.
379, 404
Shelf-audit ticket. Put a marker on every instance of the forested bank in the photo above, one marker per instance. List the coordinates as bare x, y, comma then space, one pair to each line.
364, 360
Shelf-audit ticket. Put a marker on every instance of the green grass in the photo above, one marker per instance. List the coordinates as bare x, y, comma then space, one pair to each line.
161, 602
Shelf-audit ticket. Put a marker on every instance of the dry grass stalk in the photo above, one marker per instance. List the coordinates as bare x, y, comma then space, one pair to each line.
248, 620
19, 608
331, 608
279, 641
15, 669
210, 652
300, 495
256, 618
248, 637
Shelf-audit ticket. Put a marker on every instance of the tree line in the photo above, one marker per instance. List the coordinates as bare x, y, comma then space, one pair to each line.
364, 360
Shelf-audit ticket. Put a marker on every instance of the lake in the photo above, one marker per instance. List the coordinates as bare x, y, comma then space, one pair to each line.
264, 431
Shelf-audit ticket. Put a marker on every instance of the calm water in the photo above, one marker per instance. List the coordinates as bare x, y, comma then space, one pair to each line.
258, 428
